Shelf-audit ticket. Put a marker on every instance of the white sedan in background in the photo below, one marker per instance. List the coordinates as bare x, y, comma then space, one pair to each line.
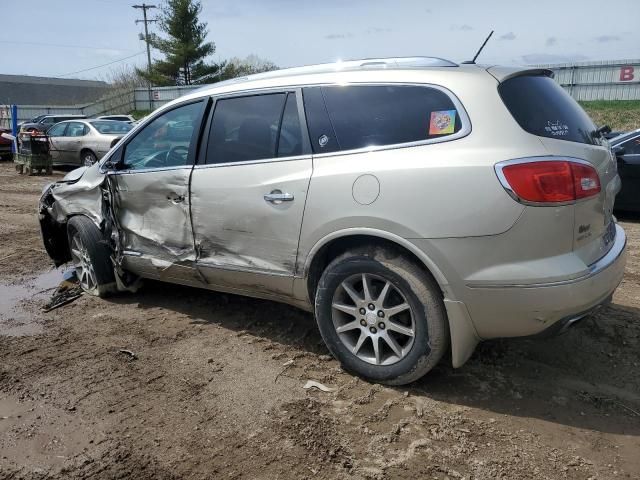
84, 142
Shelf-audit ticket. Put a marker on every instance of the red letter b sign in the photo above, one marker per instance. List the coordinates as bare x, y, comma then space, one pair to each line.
626, 74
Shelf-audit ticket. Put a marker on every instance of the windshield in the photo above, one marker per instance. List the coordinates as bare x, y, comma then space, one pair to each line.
109, 127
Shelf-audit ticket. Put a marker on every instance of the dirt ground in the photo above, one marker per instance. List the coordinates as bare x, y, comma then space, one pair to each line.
215, 389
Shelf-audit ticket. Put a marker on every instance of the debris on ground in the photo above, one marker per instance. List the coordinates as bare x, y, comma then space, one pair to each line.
129, 353
318, 385
65, 293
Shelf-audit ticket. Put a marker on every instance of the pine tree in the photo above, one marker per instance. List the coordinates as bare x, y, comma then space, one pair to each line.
184, 46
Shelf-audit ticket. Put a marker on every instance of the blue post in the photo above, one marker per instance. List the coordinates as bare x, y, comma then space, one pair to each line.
14, 126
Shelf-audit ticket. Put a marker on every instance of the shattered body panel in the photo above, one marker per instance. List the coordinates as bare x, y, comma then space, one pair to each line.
79, 193
241, 238
152, 210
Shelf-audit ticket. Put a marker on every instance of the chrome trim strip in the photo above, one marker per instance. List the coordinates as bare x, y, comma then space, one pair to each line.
253, 162
132, 253
148, 170
547, 158
463, 132
234, 268
614, 253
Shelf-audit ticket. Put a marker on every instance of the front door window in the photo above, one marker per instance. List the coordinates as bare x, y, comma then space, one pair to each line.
166, 141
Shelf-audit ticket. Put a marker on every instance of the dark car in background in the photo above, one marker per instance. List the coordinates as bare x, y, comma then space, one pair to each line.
5, 144
626, 147
47, 121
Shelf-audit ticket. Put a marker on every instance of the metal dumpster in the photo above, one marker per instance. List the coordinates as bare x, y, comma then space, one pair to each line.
33, 154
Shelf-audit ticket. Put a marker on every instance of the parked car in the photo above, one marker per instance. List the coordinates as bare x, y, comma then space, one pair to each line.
47, 121
32, 120
613, 134
5, 144
120, 118
414, 205
84, 142
627, 150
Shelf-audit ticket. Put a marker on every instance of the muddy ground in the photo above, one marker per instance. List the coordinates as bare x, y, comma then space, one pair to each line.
215, 388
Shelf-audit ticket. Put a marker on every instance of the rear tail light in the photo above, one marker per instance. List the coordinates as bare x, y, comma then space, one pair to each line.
548, 181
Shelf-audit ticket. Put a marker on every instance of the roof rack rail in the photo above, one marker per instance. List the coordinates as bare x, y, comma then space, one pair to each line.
396, 63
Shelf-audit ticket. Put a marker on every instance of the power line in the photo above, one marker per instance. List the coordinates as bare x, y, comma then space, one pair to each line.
104, 65
39, 44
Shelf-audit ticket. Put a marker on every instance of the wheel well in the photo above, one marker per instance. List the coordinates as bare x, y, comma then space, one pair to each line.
85, 150
338, 246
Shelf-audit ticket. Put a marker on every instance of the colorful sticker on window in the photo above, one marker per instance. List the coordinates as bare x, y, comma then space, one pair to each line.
442, 122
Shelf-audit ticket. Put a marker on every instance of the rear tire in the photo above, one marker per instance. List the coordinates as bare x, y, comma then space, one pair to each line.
91, 257
88, 158
403, 313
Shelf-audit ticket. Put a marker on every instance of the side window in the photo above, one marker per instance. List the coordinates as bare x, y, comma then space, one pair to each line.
58, 130
290, 136
76, 129
632, 147
47, 121
366, 116
166, 141
245, 128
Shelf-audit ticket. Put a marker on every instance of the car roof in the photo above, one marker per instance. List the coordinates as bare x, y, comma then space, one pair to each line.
625, 136
392, 70
69, 116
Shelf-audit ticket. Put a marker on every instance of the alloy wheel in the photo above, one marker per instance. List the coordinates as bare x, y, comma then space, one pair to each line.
373, 319
82, 263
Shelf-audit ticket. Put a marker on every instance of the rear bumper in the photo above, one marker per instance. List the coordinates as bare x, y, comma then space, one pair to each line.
522, 310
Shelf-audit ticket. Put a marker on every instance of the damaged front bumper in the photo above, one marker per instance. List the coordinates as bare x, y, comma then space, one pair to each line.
54, 233
85, 192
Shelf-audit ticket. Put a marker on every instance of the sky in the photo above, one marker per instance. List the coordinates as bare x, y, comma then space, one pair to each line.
71, 37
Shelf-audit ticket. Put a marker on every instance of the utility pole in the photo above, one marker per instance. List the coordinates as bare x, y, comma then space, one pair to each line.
144, 7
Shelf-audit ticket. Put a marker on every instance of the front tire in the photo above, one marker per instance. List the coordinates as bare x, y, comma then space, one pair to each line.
381, 316
91, 257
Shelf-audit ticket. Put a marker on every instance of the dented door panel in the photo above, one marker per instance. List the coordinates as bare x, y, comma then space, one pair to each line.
242, 239
153, 213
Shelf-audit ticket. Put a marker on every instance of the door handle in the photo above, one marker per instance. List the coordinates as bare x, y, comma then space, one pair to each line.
175, 198
278, 197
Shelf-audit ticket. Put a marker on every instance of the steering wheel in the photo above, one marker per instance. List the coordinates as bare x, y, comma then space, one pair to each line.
157, 160
177, 155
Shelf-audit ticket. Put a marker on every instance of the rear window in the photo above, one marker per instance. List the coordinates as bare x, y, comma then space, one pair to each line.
543, 108
368, 116
111, 127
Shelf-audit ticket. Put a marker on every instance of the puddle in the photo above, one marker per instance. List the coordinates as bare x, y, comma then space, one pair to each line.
19, 304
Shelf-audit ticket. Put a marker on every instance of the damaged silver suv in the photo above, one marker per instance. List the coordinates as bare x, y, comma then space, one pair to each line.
413, 204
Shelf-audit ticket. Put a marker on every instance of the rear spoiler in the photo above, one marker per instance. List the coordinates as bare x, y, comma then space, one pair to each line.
505, 73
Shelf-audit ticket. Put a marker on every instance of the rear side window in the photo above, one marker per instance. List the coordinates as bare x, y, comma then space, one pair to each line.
543, 108
256, 127
632, 147
245, 128
368, 116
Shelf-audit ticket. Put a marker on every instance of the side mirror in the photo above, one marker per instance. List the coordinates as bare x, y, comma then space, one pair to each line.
114, 163
108, 166
619, 151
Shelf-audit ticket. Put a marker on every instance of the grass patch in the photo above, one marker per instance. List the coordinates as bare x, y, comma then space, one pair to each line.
138, 114
618, 114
